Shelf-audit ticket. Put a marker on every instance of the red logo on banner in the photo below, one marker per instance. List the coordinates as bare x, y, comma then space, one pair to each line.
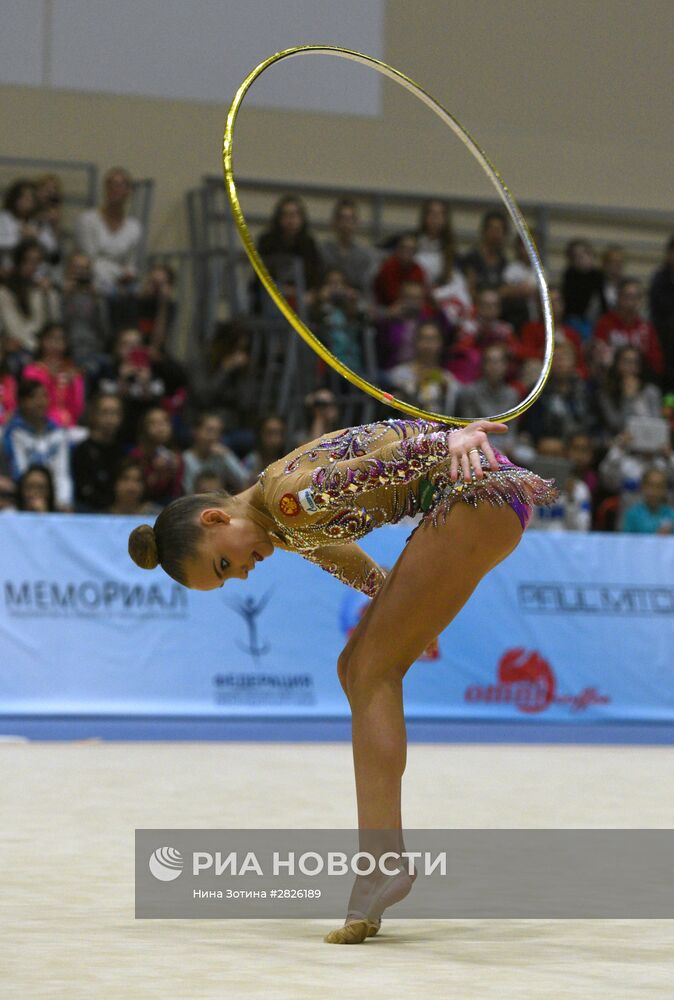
519, 666
525, 679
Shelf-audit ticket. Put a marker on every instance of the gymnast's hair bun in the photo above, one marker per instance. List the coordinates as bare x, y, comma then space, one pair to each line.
143, 547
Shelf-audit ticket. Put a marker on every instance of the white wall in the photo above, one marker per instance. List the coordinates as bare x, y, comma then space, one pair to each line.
571, 98
193, 50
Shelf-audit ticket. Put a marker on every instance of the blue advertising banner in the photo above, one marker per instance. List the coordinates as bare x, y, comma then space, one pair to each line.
569, 626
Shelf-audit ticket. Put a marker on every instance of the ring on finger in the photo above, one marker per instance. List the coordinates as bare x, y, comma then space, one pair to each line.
473, 470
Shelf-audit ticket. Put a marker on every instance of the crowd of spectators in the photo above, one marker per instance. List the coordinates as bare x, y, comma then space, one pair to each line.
96, 415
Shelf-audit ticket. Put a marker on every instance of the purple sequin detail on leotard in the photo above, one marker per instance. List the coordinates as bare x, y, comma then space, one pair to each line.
523, 510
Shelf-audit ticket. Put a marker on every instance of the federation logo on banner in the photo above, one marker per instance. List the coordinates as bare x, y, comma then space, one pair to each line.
265, 684
526, 680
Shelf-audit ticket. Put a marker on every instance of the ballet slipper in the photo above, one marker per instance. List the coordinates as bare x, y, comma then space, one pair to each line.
364, 925
353, 932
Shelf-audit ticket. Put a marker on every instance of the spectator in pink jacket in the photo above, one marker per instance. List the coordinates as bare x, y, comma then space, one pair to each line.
478, 332
59, 375
7, 386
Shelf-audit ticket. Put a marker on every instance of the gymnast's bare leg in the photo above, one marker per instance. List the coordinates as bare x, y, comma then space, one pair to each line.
432, 579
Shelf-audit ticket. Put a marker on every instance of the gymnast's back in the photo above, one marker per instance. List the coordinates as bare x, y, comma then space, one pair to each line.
349, 481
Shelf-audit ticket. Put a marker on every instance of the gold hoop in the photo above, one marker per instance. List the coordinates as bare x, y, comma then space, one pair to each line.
491, 171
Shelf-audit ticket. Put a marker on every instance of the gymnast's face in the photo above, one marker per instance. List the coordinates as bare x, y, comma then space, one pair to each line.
231, 547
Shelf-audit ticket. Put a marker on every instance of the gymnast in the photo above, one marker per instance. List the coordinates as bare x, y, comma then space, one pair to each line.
317, 501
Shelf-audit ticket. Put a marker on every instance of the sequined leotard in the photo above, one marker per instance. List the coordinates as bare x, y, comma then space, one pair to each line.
335, 489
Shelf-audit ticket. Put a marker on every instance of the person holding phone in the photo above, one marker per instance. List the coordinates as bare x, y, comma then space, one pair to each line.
133, 377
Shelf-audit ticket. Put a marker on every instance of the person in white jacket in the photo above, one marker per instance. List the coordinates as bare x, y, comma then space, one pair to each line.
110, 237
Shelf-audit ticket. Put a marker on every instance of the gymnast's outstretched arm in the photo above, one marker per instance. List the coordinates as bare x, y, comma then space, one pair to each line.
350, 564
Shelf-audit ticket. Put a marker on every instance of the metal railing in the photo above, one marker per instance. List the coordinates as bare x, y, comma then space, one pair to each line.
140, 207
213, 276
80, 182
642, 232
222, 273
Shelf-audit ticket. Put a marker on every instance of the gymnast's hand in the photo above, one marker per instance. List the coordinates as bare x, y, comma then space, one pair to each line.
466, 444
